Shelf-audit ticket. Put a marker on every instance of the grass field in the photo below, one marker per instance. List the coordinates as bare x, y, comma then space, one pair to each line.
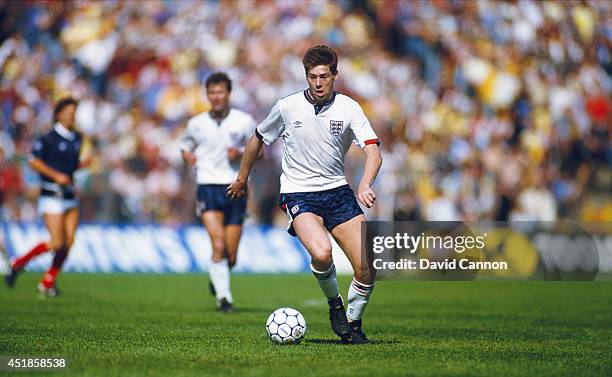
165, 325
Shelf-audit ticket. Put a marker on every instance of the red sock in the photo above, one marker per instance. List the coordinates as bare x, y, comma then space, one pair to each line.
48, 279
24, 259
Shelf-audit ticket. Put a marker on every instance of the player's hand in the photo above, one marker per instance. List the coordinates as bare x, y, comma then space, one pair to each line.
237, 189
234, 154
189, 157
61, 179
366, 195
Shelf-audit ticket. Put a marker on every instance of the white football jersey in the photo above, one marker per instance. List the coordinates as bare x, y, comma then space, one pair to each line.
209, 140
316, 138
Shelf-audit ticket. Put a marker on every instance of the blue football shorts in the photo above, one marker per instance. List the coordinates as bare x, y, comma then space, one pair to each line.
335, 206
214, 198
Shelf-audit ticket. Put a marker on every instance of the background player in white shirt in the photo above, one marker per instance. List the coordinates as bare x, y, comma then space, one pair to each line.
214, 142
318, 127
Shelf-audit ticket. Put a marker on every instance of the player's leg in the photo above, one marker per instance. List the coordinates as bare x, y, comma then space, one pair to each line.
23, 260
235, 213
232, 239
233, 232
213, 221
310, 230
55, 223
45, 205
348, 236
19, 263
71, 222
211, 209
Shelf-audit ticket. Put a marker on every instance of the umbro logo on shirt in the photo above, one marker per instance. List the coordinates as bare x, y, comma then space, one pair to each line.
297, 124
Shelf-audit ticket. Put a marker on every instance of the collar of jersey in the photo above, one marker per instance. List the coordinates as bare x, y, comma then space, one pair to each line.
220, 120
317, 107
63, 131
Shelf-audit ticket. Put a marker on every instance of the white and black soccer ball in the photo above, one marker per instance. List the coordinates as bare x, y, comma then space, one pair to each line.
286, 326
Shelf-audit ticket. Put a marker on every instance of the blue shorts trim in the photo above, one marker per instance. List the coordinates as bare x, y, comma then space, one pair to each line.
214, 198
335, 206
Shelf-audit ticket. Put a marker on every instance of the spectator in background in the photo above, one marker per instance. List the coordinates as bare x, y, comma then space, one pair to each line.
535, 202
457, 81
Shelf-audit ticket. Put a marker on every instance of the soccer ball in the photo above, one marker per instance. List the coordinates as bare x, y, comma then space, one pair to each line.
286, 326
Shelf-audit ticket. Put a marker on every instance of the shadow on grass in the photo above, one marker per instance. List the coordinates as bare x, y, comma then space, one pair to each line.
337, 341
242, 309
238, 310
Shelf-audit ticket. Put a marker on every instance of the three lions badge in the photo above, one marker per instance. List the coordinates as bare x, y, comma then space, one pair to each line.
335, 127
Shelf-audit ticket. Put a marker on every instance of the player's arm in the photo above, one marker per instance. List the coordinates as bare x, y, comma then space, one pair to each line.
266, 132
189, 157
44, 169
251, 153
36, 161
366, 138
365, 194
187, 146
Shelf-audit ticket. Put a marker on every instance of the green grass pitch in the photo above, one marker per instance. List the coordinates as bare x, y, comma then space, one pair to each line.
165, 325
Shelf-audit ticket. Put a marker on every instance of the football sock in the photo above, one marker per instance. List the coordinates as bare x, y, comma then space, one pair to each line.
220, 277
358, 297
60, 258
24, 259
49, 277
327, 281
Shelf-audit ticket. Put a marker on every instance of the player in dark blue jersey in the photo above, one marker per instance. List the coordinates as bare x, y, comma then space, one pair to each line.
55, 156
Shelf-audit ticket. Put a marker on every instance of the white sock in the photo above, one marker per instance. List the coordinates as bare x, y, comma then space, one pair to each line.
358, 297
327, 281
220, 277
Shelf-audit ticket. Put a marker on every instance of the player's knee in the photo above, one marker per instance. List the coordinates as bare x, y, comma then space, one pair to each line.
57, 244
68, 243
218, 244
365, 275
322, 255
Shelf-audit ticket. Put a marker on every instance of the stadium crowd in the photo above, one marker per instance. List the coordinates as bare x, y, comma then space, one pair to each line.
485, 109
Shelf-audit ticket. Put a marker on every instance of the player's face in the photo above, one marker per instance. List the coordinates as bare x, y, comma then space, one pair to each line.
321, 82
218, 96
66, 116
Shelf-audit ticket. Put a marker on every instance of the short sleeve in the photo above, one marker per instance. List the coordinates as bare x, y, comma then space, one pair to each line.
39, 148
272, 127
361, 127
188, 142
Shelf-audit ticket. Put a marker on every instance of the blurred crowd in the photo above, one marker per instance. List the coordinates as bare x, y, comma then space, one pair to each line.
486, 109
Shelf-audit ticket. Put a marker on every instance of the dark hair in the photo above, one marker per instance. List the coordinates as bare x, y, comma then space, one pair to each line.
217, 78
61, 104
321, 55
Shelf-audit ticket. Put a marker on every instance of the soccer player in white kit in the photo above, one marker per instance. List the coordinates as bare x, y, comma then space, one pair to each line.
318, 127
214, 142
